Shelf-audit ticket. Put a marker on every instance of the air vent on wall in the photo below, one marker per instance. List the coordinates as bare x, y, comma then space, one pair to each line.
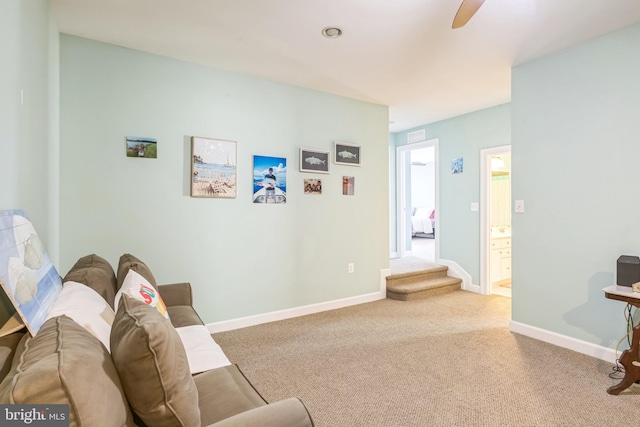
416, 136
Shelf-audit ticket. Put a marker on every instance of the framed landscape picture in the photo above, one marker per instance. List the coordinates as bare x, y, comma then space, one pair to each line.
314, 161
348, 154
213, 168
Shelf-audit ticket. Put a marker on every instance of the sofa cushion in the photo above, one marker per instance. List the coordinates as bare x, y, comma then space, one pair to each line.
129, 262
86, 308
8, 346
152, 363
136, 286
65, 364
183, 315
96, 273
225, 392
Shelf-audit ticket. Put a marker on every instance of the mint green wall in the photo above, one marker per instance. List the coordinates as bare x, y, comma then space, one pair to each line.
463, 136
576, 151
29, 133
242, 259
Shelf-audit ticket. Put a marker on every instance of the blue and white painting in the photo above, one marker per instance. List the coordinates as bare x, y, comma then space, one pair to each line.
27, 274
456, 165
213, 168
269, 179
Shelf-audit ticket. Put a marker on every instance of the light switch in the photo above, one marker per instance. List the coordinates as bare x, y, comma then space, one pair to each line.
519, 206
475, 207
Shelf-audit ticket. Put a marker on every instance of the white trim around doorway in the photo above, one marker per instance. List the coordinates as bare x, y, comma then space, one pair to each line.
401, 170
485, 214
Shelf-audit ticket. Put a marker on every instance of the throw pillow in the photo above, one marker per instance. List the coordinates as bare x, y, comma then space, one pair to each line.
152, 363
65, 364
138, 287
129, 262
96, 273
87, 308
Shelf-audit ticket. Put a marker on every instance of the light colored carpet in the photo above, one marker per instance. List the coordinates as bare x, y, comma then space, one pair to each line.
445, 361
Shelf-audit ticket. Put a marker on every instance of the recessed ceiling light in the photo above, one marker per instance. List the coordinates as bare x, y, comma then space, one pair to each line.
332, 32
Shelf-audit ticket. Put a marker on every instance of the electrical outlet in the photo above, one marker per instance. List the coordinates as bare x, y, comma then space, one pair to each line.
350, 267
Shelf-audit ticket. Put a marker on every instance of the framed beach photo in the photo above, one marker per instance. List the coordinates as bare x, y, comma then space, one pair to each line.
314, 161
347, 154
213, 168
269, 179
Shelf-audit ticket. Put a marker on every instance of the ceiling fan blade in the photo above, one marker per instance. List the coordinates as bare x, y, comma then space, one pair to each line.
467, 9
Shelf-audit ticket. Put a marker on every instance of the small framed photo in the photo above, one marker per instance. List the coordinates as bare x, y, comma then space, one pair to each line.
312, 186
213, 168
348, 185
314, 161
142, 148
347, 154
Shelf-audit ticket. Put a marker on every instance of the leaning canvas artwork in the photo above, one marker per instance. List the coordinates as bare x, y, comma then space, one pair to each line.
27, 274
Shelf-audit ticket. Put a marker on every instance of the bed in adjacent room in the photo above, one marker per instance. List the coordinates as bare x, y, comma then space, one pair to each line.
423, 222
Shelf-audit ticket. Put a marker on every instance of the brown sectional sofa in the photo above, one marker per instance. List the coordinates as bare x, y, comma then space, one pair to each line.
145, 380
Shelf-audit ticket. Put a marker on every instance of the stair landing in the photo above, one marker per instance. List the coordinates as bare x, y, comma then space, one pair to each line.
413, 278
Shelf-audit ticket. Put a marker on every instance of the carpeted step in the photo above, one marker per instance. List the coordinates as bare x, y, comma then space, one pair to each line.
403, 278
423, 289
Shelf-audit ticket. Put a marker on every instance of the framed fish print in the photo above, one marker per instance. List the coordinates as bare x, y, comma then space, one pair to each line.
314, 161
347, 154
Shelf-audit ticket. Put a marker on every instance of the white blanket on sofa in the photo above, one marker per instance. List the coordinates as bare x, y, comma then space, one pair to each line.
203, 353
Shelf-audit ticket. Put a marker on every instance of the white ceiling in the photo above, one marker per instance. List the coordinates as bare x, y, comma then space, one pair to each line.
400, 53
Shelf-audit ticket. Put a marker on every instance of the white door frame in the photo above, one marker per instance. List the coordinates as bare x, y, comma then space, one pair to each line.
485, 213
401, 200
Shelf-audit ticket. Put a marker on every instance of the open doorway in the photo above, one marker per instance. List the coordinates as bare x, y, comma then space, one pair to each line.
417, 200
496, 221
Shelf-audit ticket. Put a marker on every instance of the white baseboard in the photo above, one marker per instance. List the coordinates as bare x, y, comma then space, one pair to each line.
258, 319
455, 270
599, 352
